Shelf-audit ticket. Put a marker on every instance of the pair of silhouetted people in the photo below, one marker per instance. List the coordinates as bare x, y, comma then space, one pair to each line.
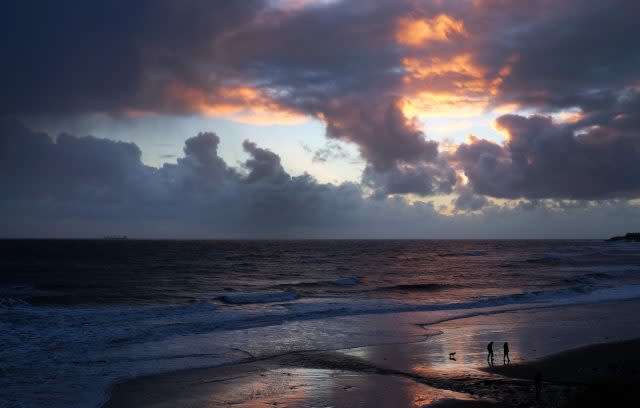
537, 380
505, 356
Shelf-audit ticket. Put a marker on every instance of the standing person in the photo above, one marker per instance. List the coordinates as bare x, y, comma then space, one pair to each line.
490, 353
538, 383
505, 356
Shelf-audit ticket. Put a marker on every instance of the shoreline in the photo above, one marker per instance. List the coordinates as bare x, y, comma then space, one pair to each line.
413, 374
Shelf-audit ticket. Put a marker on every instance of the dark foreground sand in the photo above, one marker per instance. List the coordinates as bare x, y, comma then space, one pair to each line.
420, 374
593, 375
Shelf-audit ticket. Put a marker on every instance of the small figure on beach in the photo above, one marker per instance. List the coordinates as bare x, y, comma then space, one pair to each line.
452, 356
538, 383
490, 353
505, 356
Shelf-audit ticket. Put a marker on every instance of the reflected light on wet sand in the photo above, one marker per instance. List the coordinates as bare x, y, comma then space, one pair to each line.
302, 387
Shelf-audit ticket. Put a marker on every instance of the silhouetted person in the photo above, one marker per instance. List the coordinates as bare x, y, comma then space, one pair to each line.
505, 356
538, 383
452, 356
490, 353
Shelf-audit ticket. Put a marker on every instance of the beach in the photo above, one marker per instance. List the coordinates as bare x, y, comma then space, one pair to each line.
574, 347
319, 203
300, 323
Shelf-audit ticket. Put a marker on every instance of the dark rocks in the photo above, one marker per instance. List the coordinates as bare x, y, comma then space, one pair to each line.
628, 237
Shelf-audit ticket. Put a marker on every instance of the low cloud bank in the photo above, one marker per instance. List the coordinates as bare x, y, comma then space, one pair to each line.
72, 186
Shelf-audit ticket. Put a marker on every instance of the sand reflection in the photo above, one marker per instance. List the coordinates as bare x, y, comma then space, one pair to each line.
303, 387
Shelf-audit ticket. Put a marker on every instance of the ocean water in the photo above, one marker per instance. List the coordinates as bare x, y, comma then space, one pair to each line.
77, 316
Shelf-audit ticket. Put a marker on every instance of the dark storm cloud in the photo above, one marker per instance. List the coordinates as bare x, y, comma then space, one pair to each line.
572, 52
84, 56
561, 55
338, 62
385, 136
115, 56
263, 165
424, 180
322, 53
69, 168
343, 63
620, 113
468, 201
543, 159
89, 180
71, 186
204, 150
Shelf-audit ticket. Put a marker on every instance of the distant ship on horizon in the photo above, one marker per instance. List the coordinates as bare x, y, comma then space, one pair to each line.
115, 237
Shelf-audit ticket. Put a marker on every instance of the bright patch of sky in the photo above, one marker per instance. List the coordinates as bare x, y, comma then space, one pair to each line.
161, 139
455, 130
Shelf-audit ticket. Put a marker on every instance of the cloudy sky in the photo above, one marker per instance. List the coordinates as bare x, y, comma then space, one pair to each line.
320, 118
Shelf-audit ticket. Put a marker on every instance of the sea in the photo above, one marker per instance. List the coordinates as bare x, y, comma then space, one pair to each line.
77, 316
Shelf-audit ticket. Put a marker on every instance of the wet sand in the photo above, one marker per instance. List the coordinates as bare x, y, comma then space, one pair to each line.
554, 341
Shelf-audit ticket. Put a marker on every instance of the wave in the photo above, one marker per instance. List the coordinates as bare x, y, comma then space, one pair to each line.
600, 273
417, 287
24, 292
120, 325
108, 315
132, 324
611, 269
585, 255
344, 282
12, 303
550, 259
17, 288
588, 279
247, 298
350, 281
555, 297
460, 254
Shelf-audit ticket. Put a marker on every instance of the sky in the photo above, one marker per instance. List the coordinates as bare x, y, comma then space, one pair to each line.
320, 119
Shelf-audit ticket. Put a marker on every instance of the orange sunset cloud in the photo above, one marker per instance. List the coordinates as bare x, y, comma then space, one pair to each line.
243, 104
414, 32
